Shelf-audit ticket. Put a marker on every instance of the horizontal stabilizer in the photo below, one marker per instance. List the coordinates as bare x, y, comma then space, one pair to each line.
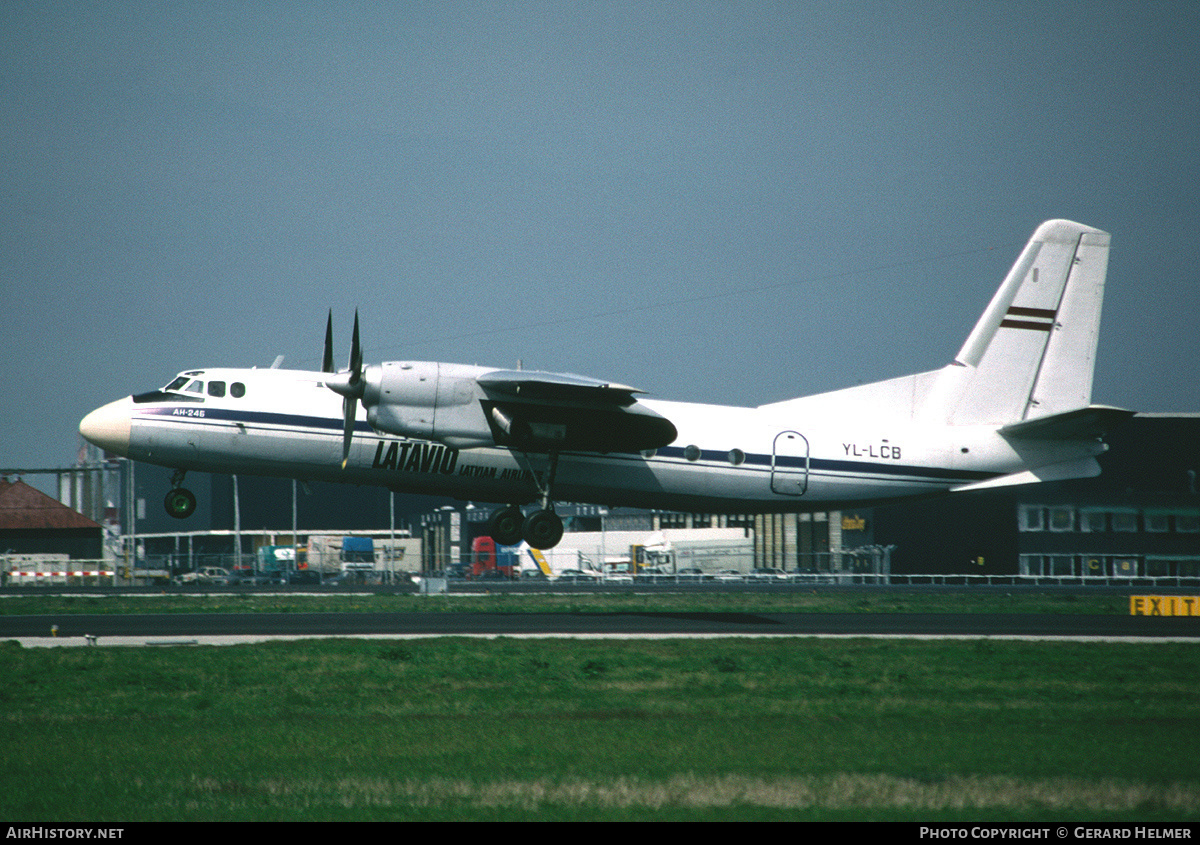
1080, 424
1076, 468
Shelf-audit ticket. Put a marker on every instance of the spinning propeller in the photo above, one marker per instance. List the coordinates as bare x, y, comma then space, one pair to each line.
349, 384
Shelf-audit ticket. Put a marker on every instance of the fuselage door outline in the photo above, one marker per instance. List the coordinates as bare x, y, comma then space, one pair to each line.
789, 464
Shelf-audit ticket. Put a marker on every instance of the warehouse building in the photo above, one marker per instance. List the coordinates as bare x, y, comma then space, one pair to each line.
33, 526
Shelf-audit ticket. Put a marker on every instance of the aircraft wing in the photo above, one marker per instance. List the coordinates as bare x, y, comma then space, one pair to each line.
540, 411
1080, 424
556, 386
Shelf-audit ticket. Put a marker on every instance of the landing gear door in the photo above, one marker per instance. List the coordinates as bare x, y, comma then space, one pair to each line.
789, 464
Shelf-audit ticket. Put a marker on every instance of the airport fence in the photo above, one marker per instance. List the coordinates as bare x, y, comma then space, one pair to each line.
827, 569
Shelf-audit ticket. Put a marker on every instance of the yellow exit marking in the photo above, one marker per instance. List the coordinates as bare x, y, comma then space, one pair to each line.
1164, 605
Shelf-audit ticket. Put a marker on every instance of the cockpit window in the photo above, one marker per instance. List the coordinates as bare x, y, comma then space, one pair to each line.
184, 388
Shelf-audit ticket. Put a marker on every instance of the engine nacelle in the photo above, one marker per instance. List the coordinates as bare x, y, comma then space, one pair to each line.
427, 400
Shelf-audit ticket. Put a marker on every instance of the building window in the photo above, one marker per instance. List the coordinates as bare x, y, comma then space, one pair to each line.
1125, 521
1125, 566
1093, 521
672, 520
1030, 564
1029, 518
1062, 519
1188, 568
1158, 522
1188, 523
1158, 567
1061, 565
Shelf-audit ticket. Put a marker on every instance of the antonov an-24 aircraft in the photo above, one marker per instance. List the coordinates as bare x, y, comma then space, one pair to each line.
1013, 407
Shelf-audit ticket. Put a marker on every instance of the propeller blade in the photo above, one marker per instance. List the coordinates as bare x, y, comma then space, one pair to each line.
350, 409
349, 384
327, 361
355, 354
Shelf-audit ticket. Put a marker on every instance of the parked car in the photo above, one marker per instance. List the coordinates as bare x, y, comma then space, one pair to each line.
577, 576
207, 575
654, 574
492, 575
767, 574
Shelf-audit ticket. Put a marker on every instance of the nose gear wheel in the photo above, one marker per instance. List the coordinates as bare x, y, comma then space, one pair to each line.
180, 503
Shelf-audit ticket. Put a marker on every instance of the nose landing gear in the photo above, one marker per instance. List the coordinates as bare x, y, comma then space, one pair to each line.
179, 502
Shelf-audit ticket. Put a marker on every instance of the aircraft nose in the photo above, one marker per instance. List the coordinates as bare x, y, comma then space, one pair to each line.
108, 427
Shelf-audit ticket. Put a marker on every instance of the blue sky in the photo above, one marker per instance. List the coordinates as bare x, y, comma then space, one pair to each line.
728, 202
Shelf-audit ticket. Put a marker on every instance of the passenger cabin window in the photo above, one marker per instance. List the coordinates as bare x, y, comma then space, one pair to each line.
216, 388
237, 390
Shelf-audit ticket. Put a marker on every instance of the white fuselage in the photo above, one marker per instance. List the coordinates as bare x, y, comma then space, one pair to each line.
786, 457
1013, 407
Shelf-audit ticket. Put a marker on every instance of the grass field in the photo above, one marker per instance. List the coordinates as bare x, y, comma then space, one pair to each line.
615, 730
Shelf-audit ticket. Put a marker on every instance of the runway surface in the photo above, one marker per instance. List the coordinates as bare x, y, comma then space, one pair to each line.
165, 629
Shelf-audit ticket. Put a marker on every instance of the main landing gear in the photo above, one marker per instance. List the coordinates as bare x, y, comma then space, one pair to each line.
180, 502
542, 529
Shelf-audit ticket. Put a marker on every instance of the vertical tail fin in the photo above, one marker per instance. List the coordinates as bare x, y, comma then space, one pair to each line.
1033, 351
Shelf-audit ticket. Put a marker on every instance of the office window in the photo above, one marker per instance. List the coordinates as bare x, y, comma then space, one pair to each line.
1157, 567
1158, 522
1125, 566
1062, 519
672, 520
1188, 522
1126, 521
1029, 518
1061, 565
1188, 567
